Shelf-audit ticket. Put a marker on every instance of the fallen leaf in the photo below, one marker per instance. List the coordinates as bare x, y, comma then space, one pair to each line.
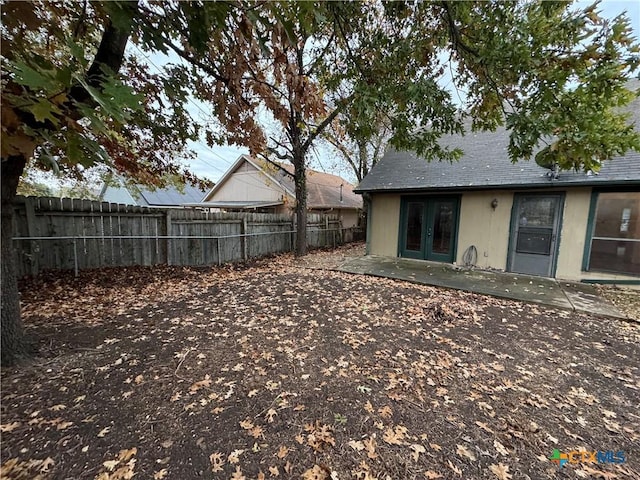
385, 412
282, 451
246, 424
454, 468
368, 407
417, 450
271, 413
234, 457
395, 436
237, 475
465, 452
501, 449
501, 471
370, 445
9, 427
159, 475
431, 475
63, 425
315, 473
217, 461
111, 464
357, 445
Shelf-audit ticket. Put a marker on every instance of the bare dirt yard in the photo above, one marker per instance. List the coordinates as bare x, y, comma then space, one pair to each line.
281, 369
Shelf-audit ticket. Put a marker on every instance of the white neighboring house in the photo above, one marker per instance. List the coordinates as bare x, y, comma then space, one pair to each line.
169, 196
256, 185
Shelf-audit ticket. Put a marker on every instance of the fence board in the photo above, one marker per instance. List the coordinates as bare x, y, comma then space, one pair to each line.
54, 233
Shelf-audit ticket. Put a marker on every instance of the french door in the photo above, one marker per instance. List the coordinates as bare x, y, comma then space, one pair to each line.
428, 228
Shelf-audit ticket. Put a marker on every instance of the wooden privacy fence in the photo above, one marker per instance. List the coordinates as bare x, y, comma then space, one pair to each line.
71, 234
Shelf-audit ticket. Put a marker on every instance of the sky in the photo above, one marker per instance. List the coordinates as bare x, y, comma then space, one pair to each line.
212, 162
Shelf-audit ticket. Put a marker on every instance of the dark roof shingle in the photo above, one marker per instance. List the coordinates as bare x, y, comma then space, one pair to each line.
486, 164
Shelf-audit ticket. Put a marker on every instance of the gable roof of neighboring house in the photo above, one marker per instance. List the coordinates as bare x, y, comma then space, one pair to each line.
323, 189
160, 197
486, 164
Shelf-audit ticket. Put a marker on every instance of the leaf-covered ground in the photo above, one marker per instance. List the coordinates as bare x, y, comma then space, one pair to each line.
286, 370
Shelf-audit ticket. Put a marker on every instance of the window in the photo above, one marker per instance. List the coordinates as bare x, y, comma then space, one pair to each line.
615, 234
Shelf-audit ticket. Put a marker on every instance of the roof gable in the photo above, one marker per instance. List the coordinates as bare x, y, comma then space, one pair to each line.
323, 189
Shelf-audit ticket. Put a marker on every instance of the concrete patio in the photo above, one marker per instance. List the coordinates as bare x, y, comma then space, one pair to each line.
546, 291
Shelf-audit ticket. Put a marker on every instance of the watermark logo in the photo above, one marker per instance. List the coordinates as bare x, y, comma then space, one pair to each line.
576, 456
559, 458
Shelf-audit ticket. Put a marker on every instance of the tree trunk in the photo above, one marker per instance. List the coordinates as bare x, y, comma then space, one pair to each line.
12, 341
363, 166
299, 175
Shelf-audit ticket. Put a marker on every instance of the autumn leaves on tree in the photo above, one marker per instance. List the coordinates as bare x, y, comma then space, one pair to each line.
278, 77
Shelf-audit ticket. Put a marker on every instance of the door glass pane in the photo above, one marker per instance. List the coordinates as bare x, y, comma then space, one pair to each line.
537, 211
442, 227
534, 240
415, 214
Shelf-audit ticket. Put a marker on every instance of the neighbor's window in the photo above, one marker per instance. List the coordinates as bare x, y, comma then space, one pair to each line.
615, 241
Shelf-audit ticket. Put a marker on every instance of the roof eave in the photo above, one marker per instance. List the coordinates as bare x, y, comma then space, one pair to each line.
510, 186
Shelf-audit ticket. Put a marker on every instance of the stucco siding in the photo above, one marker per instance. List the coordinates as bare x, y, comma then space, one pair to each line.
385, 225
484, 227
573, 233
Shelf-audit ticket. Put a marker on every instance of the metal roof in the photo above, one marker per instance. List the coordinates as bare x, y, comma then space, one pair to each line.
239, 205
170, 195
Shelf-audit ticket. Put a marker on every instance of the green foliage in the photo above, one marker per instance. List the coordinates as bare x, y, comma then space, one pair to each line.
554, 75
65, 109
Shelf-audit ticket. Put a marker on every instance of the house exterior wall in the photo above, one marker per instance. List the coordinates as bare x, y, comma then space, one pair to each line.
573, 234
348, 217
484, 227
488, 229
385, 224
247, 183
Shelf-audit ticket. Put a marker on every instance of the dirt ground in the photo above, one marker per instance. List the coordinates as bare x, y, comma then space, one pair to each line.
282, 369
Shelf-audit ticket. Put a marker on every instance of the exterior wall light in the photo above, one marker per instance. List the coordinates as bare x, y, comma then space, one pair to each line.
494, 203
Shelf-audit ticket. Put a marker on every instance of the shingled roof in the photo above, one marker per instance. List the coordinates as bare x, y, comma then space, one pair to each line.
324, 190
485, 164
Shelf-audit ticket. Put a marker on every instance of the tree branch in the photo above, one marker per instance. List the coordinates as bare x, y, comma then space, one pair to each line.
320, 128
110, 54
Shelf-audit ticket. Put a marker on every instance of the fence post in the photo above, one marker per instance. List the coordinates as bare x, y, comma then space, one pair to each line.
293, 233
245, 238
326, 231
75, 256
34, 248
168, 233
